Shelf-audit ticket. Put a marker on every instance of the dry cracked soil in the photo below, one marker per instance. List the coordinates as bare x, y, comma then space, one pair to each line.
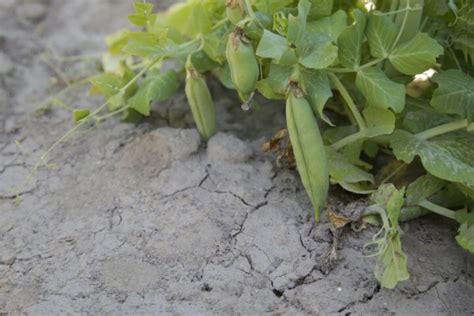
145, 220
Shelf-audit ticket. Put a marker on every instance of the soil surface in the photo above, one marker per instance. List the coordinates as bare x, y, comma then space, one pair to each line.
144, 219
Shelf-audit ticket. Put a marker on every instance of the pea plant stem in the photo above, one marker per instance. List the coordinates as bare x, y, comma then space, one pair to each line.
444, 129
367, 65
348, 140
435, 208
93, 114
251, 13
349, 102
61, 93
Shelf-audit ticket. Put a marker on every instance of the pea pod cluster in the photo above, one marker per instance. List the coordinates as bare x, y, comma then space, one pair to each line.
308, 148
201, 103
243, 64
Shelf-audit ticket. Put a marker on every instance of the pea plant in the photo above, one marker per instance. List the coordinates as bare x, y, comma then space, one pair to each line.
379, 95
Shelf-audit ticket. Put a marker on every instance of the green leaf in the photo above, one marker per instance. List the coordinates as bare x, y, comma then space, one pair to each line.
463, 217
318, 91
380, 91
224, 76
467, 192
417, 55
271, 7
117, 41
422, 188
275, 85
448, 157
420, 121
215, 47
379, 121
394, 206
381, 34
143, 14
391, 266
350, 41
331, 26
435, 8
409, 17
146, 45
202, 63
455, 94
345, 173
107, 84
132, 116
297, 24
317, 52
272, 46
465, 236
384, 194
157, 87
110, 85
320, 8
189, 18
80, 114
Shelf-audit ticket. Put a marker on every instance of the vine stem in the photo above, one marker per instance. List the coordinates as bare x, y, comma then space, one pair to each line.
348, 99
348, 140
105, 104
369, 64
444, 129
355, 112
435, 208
52, 98
251, 13
393, 173
93, 114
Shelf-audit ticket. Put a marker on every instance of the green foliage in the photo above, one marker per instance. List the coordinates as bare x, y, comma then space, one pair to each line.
334, 64
465, 236
156, 87
379, 90
455, 94
448, 157
417, 55
391, 266
80, 114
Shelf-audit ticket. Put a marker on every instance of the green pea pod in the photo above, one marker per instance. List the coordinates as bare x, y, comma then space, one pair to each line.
243, 64
235, 11
201, 103
308, 148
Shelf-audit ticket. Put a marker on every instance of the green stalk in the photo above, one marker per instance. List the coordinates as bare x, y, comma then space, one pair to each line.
106, 103
444, 129
435, 208
411, 20
251, 13
349, 102
348, 140
367, 65
93, 114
